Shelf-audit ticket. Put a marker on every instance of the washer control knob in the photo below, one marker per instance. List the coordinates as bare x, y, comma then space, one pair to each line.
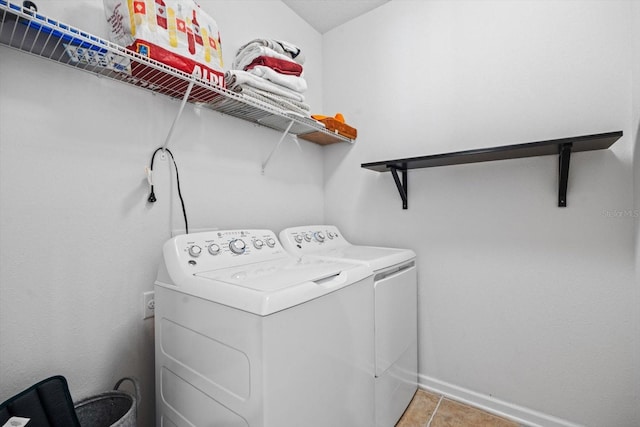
308, 236
214, 249
258, 244
271, 242
298, 238
319, 236
237, 246
195, 250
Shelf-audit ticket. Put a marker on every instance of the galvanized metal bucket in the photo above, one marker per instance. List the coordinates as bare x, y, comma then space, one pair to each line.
114, 408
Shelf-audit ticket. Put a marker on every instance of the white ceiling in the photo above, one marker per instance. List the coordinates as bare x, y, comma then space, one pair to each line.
324, 15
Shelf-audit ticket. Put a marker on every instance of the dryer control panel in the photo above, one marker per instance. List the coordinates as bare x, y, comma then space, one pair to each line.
311, 238
223, 248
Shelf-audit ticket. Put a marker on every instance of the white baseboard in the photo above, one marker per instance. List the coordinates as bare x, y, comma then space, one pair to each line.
520, 414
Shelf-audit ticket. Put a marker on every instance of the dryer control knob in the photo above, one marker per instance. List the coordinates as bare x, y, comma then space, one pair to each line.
214, 249
271, 242
237, 246
298, 238
319, 236
308, 236
258, 244
195, 250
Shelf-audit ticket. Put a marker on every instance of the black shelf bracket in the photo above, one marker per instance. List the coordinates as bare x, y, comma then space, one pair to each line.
564, 159
402, 185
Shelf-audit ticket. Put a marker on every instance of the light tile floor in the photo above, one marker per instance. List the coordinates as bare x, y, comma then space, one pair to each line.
432, 410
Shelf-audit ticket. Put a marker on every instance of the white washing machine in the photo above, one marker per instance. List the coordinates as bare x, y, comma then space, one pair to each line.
395, 283
249, 335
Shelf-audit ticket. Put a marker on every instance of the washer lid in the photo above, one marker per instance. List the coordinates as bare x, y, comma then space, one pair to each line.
266, 287
327, 241
270, 276
375, 257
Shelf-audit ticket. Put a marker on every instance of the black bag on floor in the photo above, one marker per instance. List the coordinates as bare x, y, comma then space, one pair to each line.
46, 404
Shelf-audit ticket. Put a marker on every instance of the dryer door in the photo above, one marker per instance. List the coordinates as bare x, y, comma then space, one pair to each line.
396, 319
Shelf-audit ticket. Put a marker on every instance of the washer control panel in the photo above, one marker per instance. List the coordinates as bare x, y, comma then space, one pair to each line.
311, 238
225, 248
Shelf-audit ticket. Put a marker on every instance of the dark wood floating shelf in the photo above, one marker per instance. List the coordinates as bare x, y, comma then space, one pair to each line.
561, 147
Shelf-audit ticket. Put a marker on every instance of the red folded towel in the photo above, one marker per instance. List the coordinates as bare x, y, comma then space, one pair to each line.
280, 65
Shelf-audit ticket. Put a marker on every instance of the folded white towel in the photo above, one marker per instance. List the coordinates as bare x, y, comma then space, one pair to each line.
265, 47
245, 56
239, 77
286, 104
292, 50
299, 84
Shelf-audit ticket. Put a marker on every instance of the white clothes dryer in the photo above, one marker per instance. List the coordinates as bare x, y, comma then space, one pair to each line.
395, 318
249, 335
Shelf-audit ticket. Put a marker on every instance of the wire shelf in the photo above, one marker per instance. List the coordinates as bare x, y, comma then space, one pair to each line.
31, 32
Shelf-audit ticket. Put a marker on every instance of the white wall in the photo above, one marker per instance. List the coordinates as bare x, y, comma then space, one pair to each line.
79, 244
635, 123
524, 307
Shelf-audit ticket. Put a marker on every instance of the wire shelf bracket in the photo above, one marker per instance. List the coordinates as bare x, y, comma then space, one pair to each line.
284, 135
180, 110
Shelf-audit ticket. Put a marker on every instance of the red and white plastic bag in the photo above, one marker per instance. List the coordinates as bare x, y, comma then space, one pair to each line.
177, 33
